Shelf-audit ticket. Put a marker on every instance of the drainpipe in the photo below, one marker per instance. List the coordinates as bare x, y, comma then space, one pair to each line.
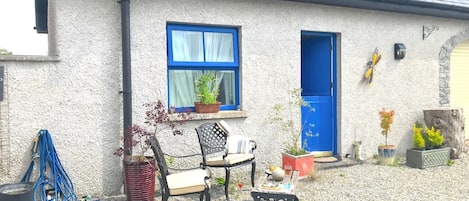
126, 75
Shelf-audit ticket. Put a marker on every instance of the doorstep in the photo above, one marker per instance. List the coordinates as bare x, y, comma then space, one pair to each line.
344, 162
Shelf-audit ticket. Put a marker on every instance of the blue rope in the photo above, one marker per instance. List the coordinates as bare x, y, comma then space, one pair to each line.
52, 180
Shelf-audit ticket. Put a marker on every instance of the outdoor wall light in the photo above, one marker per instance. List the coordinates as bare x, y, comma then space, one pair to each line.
399, 51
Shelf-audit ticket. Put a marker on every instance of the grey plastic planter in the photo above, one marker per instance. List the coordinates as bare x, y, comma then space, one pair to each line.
17, 192
427, 158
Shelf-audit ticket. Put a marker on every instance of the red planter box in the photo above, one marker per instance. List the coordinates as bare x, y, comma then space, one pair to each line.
304, 163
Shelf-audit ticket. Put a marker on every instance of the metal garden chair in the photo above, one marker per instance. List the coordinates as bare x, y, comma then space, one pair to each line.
180, 183
213, 139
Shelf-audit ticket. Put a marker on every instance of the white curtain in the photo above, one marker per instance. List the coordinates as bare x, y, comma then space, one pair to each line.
182, 89
187, 46
218, 47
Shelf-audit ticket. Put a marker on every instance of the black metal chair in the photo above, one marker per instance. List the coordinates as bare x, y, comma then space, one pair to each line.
180, 183
213, 143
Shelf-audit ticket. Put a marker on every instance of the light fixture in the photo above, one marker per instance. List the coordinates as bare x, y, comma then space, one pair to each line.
399, 51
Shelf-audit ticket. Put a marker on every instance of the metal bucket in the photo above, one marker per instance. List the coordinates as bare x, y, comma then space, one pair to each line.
17, 192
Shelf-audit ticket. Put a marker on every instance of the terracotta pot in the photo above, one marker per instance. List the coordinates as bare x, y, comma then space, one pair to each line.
207, 108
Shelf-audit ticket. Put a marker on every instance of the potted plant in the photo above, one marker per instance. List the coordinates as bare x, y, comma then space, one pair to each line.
139, 168
386, 152
206, 91
428, 150
287, 118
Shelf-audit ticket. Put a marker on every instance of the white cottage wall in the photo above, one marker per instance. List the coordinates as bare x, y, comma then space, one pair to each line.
77, 98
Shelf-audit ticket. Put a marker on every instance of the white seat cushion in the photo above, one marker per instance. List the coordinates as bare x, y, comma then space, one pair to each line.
231, 159
187, 182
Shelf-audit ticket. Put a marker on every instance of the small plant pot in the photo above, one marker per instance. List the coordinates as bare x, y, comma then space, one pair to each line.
207, 108
386, 154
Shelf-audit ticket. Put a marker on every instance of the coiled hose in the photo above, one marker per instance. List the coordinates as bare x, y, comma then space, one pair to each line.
53, 183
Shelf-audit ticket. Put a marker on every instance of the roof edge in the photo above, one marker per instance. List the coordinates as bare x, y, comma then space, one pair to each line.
400, 6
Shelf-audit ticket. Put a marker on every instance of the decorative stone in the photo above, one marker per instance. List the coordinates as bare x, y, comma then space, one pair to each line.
450, 121
278, 174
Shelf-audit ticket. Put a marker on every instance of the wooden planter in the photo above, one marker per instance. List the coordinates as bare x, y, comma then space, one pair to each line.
427, 158
207, 108
303, 163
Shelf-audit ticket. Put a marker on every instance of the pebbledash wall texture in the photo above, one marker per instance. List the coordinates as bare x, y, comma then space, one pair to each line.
76, 97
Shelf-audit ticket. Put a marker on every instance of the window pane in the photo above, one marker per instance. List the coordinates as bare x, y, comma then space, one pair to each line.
218, 47
187, 46
182, 87
227, 88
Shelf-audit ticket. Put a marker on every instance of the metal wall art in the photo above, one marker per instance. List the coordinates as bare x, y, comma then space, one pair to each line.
371, 64
427, 30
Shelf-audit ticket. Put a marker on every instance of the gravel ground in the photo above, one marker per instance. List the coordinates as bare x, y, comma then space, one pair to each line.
367, 181
370, 181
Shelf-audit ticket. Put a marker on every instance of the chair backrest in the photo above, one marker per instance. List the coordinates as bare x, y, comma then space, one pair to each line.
212, 138
162, 167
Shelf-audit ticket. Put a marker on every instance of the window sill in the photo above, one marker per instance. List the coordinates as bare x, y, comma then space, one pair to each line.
39, 58
231, 114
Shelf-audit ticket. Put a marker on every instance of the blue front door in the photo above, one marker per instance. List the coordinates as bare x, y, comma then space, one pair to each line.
318, 80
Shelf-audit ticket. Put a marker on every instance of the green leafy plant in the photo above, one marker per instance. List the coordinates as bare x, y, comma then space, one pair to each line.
426, 138
207, 88
450, 162
434, 137
419, 141
219, 181
287, 117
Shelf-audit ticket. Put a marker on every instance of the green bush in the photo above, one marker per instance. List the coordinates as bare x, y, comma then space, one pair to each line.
434, 137
425, 138
419, 142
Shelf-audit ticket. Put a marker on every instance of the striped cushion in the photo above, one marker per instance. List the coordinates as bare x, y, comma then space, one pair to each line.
238, 144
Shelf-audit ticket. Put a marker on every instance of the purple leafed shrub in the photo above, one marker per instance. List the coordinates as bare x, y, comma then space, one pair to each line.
157, 120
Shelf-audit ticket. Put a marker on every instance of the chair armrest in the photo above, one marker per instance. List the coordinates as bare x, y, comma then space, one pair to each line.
183, 169
183, 156
180, 157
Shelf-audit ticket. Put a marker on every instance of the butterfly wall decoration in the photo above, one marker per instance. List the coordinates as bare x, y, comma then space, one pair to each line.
371, 65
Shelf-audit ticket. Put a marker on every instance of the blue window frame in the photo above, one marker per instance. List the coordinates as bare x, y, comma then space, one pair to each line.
194, 50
